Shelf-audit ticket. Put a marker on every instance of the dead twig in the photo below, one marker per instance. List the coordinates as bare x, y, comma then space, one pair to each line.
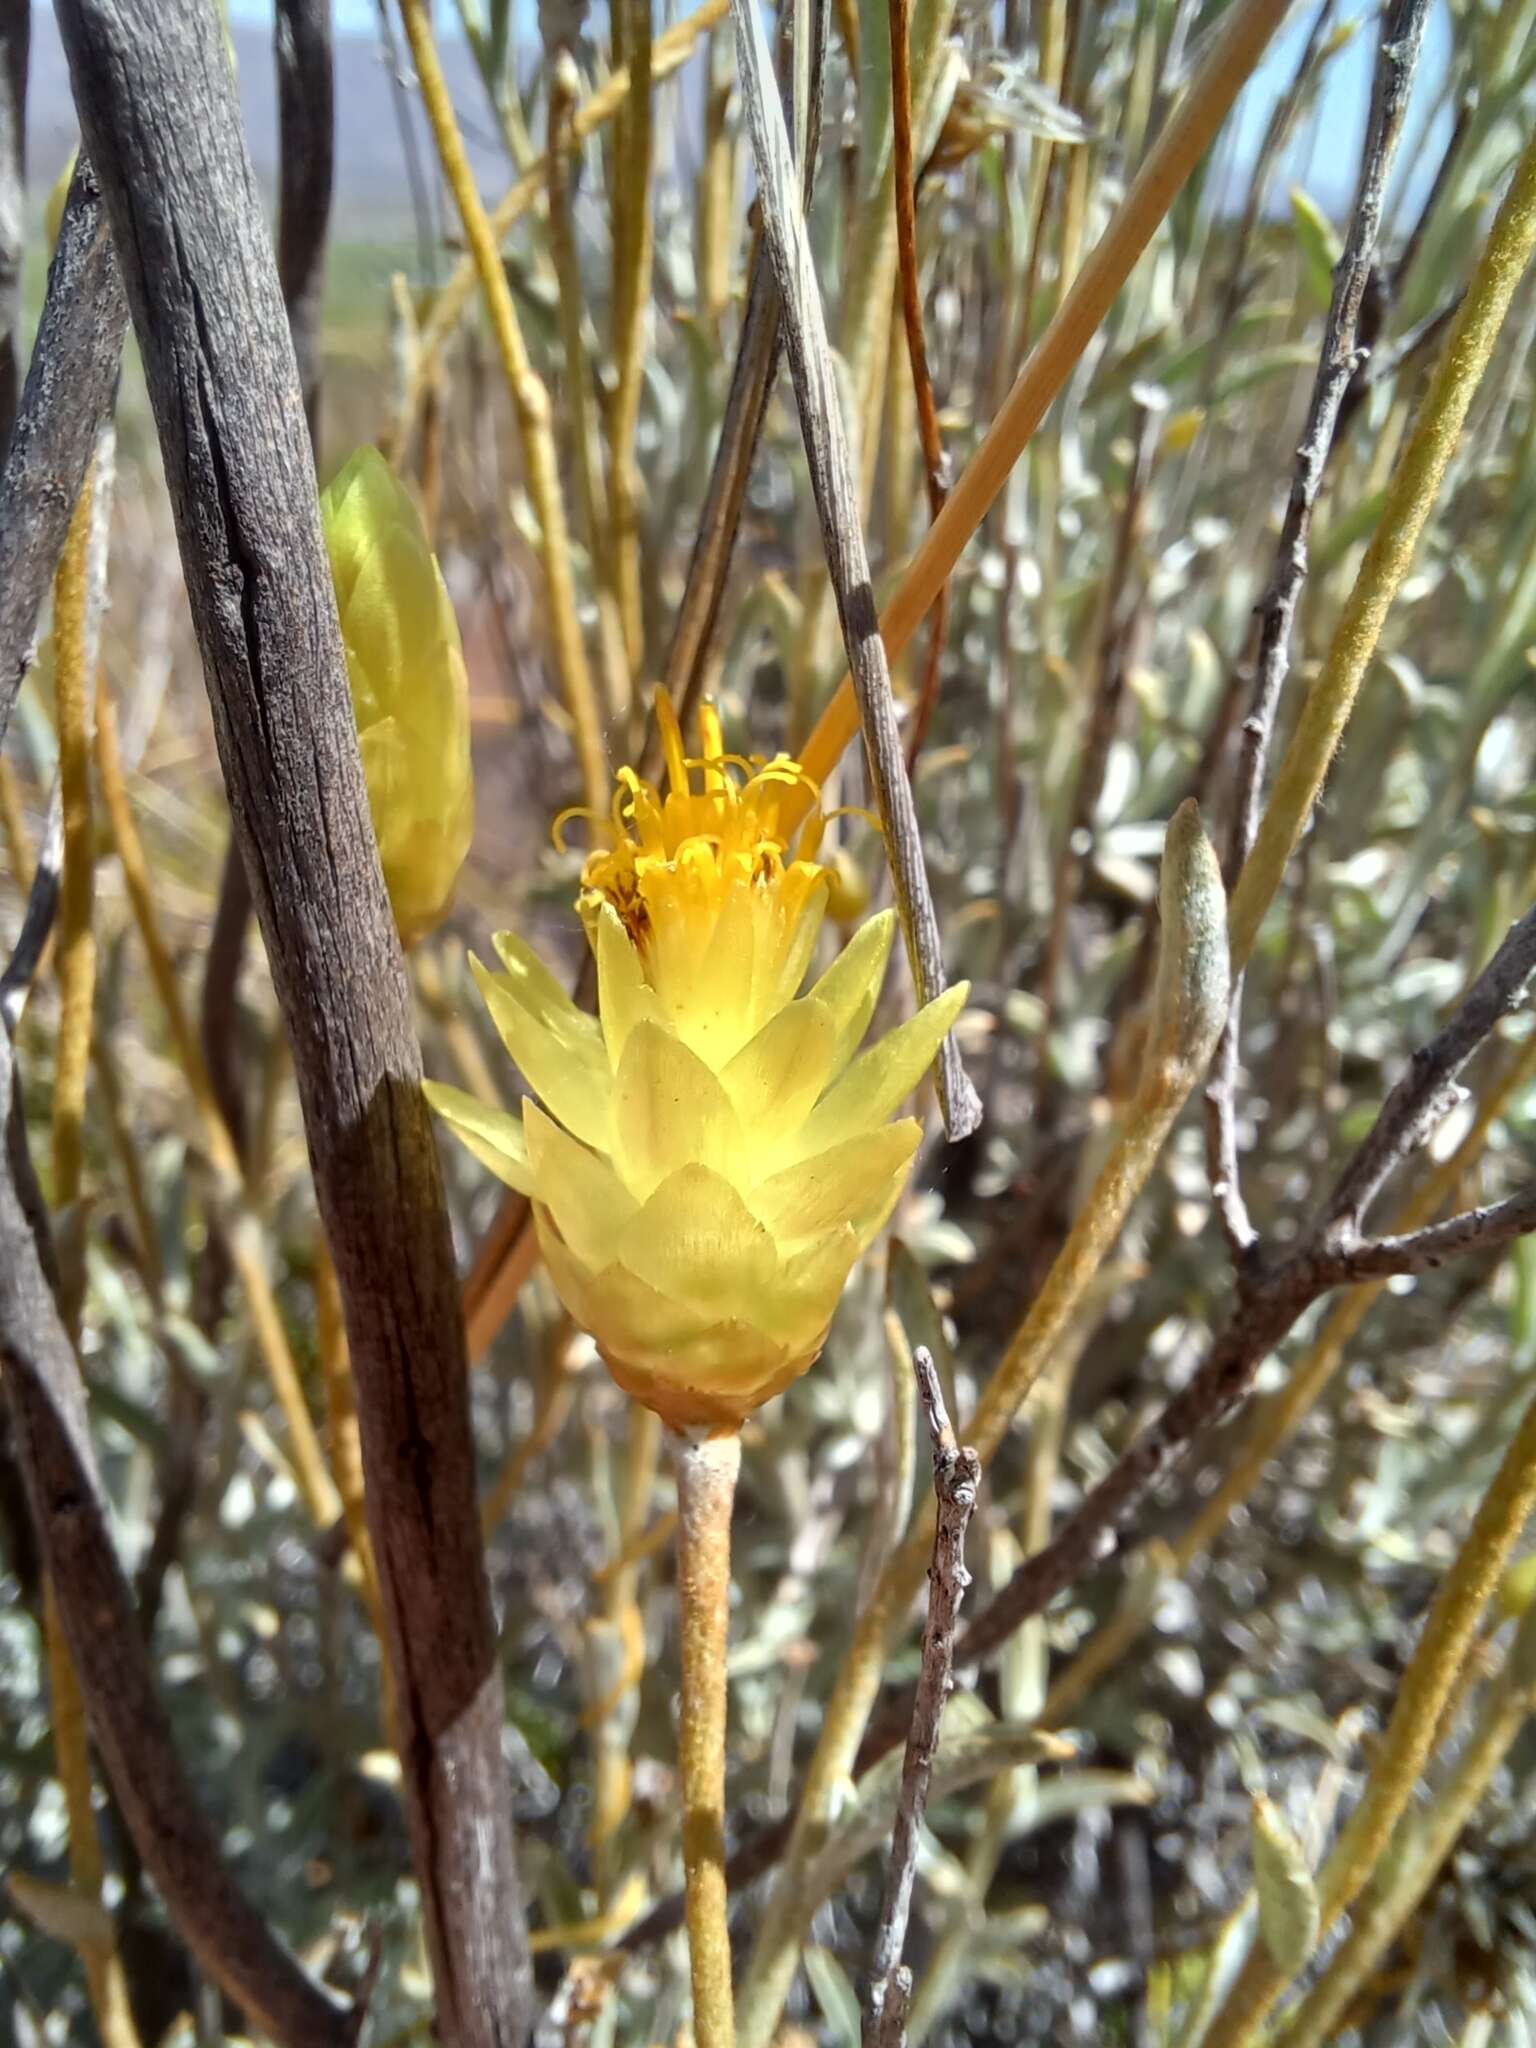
1401, 34
956, 1479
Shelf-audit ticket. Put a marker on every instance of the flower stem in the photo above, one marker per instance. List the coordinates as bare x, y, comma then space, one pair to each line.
706, 1491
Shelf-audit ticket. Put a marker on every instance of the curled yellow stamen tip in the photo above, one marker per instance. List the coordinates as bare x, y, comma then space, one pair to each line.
596, 819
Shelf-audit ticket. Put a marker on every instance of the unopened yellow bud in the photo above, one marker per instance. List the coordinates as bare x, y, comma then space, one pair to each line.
410, 694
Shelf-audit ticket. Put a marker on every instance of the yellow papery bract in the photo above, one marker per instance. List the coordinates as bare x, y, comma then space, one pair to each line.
410, 693
710, 1158
496, 1139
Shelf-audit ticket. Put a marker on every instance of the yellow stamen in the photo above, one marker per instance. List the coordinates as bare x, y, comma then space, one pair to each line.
697, 869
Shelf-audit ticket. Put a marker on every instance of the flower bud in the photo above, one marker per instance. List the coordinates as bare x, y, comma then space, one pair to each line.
410, 693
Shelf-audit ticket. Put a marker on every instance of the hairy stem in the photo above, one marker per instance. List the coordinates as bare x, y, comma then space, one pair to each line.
530, 401
706, 1492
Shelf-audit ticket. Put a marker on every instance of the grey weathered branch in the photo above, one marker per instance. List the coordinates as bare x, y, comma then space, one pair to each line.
1428, 1089
306, 132
1483, 1229
306, 116
837, 505
156, 101
71, 380
956, 1480
51, 1436
1402, 31
15, 40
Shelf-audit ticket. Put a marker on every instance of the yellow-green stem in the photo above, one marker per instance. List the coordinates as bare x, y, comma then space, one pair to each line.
448, 308
617, 680
1416, 1861
706, 1492
13, 829
530, 401
612, 1717
717, 184
1426, 1685
103, 1967
77, 986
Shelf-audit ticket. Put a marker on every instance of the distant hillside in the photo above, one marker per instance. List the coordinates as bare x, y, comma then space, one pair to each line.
372, 195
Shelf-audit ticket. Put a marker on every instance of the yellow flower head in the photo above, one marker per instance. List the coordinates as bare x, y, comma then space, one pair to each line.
410, 693
707, 1157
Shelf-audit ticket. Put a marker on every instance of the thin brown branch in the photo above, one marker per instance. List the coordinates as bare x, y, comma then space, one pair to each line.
1402, 32
306, 117
1483, 1229
956, 1481
1429, 1089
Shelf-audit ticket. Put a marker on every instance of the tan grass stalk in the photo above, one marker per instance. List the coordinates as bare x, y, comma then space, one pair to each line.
1405, 1748
530, 401
238, 1224
77, 989
671, 50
